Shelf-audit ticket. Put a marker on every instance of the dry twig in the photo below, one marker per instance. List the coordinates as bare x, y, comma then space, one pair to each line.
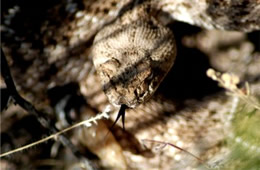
230, 82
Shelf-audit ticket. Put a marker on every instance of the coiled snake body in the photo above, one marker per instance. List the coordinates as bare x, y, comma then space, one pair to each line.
132, 52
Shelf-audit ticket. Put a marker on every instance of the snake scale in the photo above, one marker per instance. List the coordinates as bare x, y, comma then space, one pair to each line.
50, 44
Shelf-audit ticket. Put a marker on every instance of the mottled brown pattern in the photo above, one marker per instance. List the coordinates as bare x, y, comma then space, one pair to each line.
132, 56
50, 45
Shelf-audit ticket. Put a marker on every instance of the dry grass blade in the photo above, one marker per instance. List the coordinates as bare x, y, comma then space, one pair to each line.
56, 135
164, 144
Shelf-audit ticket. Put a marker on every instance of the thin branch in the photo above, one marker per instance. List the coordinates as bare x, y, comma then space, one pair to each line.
44, 120
230, 82
56, 135
5, 71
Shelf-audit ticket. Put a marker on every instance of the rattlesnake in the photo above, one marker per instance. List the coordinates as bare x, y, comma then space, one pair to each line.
57, 51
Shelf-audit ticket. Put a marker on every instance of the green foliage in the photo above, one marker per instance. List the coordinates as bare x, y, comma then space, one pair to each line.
245, 141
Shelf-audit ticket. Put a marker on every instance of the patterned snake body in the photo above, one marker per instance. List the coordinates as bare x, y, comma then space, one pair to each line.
54, 51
